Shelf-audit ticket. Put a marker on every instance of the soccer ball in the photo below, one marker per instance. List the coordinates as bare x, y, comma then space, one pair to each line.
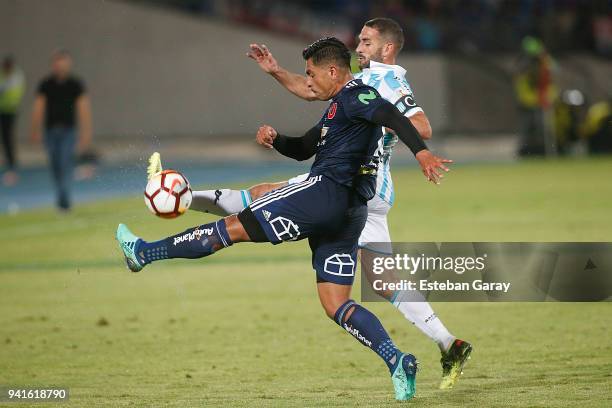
168, 194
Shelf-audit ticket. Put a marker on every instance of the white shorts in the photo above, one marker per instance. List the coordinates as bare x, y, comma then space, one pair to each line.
376, 228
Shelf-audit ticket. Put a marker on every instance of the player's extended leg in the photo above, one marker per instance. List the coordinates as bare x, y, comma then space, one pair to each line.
196, 242
335, 262
226, 201
417, 310
413, 306
367, 329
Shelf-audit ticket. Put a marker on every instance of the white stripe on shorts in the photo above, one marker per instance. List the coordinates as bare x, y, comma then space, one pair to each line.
284, 192
278, 191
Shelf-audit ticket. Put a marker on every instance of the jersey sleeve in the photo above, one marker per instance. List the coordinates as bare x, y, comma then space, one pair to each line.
79, 88
361, 103
404, 100
43, 88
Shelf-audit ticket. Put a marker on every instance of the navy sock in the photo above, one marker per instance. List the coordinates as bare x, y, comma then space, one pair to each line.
193, 243
366, 328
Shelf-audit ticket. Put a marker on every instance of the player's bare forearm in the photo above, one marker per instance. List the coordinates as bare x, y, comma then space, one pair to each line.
294, 83
84, 118
421, 123
38, 112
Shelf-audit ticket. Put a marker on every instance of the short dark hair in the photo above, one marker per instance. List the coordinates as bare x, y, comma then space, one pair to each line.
389, 29
326, 50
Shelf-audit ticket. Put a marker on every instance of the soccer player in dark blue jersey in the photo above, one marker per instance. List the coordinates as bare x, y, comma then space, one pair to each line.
329, 208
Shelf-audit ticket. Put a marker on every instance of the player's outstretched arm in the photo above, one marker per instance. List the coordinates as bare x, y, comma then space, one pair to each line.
387, 115
298, 148
294, 83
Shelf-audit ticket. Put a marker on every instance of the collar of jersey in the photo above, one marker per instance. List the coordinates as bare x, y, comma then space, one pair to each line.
379, 65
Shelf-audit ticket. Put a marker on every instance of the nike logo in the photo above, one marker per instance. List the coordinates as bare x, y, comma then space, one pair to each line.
365, 98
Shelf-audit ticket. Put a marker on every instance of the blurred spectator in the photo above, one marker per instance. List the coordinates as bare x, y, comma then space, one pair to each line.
602, 30
482, 25
568, 114
61, 102
598, 127
12, 86
535, 93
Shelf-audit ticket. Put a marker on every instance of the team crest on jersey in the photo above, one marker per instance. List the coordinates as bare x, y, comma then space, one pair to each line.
332, 110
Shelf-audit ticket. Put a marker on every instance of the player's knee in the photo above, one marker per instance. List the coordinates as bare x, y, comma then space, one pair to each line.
331, 306
235, 229
330, 311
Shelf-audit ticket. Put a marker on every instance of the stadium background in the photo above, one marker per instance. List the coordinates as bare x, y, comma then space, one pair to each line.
172, 76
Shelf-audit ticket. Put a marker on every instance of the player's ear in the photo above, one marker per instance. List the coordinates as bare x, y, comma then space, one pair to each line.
388, 49
333, 71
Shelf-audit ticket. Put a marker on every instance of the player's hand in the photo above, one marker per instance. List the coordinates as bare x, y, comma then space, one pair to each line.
262, 55
266, 135
432, 165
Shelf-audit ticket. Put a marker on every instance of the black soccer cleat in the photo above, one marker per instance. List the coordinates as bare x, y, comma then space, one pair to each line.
453, 361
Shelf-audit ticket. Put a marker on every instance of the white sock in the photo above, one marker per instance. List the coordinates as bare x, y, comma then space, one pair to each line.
220, 202
418, 311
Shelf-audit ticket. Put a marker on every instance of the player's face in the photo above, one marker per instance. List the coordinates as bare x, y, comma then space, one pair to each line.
320, 79
61, 65
370, 47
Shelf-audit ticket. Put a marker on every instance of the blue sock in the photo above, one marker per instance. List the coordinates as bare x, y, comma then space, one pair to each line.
366, 328
193, 243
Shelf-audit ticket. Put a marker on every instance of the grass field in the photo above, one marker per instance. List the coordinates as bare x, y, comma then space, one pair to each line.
244, 328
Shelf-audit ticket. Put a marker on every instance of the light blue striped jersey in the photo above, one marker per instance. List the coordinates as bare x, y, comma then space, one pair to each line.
390, 82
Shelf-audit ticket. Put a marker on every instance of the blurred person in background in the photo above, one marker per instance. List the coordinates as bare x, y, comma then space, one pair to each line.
597, 127
535, 92
61, 103
568, 114
12, 86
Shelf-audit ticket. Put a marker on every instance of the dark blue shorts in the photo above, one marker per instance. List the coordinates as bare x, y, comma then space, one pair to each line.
329, 214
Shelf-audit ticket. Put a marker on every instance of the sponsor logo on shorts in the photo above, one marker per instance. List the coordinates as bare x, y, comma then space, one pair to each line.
190, 236
285, 229
266, 214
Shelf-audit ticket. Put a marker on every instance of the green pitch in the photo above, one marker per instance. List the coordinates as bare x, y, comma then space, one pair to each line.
244, 327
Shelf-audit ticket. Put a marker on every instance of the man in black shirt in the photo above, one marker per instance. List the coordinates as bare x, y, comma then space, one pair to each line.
61, 103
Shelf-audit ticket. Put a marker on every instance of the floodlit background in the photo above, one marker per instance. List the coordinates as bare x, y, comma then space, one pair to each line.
518, 93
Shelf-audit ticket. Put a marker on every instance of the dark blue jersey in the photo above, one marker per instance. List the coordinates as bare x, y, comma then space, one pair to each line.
350, 144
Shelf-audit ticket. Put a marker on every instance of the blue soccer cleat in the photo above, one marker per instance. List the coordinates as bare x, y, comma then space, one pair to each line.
128, 243
404, 377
